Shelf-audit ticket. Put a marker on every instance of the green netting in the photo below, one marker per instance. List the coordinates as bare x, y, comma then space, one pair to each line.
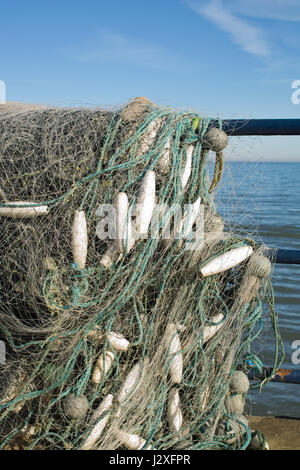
58, 320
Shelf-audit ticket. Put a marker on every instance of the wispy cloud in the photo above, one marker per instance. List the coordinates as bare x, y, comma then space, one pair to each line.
283, 10
250, 38
109, 47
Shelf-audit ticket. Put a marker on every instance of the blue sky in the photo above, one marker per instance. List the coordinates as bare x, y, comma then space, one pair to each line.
227, 58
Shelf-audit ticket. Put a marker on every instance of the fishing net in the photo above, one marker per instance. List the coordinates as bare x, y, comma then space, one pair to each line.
134, 346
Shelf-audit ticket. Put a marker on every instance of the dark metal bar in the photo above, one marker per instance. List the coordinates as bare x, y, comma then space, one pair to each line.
287, 376
260, 126
283, 256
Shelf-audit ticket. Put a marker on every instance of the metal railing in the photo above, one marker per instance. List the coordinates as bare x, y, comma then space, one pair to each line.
269, 127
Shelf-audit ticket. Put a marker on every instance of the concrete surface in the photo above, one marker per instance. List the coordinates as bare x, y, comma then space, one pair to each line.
281, 433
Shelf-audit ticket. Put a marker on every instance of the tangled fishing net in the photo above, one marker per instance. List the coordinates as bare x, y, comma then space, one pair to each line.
122, 342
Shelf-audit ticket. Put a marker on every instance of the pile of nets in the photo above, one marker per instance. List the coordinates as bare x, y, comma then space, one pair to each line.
127, 343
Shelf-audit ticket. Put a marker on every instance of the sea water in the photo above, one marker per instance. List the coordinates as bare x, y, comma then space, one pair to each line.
263, 200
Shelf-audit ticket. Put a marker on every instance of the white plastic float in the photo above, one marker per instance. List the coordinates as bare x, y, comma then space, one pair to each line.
131, 441
208, 332
173, 346
149, 136
133, 380
97, 430
104, 362
110, 256
148, 139
164, 161
22, 212
79, 239
124, 235
145, 203
186, 172
117, 341
226, 261
185, 225
174, 411
204, 399
211, 330
102, 366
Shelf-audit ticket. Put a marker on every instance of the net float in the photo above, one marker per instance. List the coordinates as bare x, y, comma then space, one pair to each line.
174, 411
215, 227
111, 256
75, 407
131, 441
248, 289
186, 224
215, 139
204, 399
239, 382
188, 167
97, 430
236, 404
149, 136
117, 341
124, 235
145, 203
102, 366
173, 346
148, 139
133, 380
226, 261
22, 212
211, 330
259, 266
79, 239
237, 429
164, 161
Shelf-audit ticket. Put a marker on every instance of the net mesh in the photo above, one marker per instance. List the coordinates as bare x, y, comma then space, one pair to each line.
140, 351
